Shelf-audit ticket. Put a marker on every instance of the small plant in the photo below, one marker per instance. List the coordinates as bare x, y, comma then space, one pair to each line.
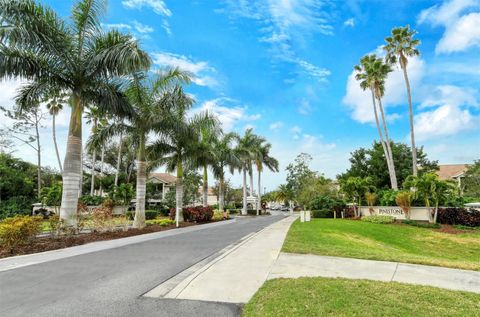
379, 219
19, 230
218, 215
371, 198
404, 201
102, 219
162, 222
150, 214
54, 223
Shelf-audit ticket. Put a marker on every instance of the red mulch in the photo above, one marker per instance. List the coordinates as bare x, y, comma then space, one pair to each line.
451, 229
54, 243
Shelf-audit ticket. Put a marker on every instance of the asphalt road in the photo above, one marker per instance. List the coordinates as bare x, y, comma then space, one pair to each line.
111, 282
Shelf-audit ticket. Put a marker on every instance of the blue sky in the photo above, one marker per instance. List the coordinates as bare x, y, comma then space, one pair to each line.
284, 67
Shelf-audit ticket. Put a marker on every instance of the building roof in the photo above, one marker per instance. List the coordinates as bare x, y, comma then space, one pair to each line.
451, 171
163, 177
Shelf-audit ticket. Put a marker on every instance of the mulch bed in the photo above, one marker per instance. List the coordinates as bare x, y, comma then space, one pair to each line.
452, 230
54, 243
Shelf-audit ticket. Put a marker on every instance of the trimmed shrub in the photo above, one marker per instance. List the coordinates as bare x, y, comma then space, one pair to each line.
326, 203
422, 224
459, 216
161, 222
378, 219
19, 230
325, 213
17, 205
91, 200
149, 214
194, 214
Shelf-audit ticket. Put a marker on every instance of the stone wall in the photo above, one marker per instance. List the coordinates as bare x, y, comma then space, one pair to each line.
416, 213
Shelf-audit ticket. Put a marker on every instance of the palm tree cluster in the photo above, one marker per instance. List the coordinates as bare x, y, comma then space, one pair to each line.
372, 74
106, 75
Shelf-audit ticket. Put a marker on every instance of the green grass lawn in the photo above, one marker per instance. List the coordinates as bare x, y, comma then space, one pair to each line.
342, 297
387, 242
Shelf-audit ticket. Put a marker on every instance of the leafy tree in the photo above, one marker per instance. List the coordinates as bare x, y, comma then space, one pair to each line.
55, 104
264, 159
369, 162
75, 56
52, 196
471, 181
355, 189
298, 173
400, 46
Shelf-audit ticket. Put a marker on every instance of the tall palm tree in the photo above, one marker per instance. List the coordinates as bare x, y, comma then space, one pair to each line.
93, 115
177, 144
264, 160
372, 73
246, 150
400, 46
54, 106
147, 100
225, 156
74, 56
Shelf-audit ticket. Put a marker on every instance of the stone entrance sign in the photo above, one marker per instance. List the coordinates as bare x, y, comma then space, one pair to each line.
416, 213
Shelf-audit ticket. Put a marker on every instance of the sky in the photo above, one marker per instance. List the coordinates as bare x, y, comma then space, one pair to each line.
285, 69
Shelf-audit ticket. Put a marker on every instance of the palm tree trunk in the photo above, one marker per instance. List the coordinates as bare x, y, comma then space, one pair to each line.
92, 184
244, 208
102, 161
139, 221
382, 141
72, 165
119, 160
55, 144
179, 194
221, 194
412, 132
259, 200
250, 173
39, 158
205, 186
389, 148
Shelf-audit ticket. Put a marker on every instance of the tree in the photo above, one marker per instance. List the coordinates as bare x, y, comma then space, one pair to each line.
246, 151
149, 116
263, 159
400, 46
225, 156
355, 188
471, 181
55, 105
372, 73
177, 144
25, 121
93, 115
370, 162
76, 57
404, 201
298, 173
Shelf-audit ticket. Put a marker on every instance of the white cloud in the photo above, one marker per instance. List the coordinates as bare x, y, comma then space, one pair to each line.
444, 121
142, 28
360, 102
450, 95
461, 20
305, 107
229, 112
166, 27
276, 125
120, 26
283, 22
350, 22
201, 70
158, 6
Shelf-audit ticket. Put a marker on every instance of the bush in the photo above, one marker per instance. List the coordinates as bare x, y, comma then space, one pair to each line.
326, 203
130, 215
421, 224
18, 205
387, 197
149, 214
378, 219
91, 200
325, 213
218, 215
161, 222
19, 230
195, 214
459, 216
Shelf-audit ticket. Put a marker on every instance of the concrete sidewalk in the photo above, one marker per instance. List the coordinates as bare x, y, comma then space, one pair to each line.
235, 275
290, 265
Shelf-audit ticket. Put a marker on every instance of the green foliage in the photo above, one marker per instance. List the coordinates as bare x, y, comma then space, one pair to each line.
421, 224
161, 222
150, 214
218, 215
471, 181
52, 196
19, 230
91, 200
123, 194
326, 202
378, 219
356, 187
404, 200
387, 197
325, 213
371, 163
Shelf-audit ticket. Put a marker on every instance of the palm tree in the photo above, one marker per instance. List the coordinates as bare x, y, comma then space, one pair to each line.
246, 151
147, 100
372, 73
284, 194
54, 106
176, 146
93, 116
75, 56
400, 46
224, 156
261, 160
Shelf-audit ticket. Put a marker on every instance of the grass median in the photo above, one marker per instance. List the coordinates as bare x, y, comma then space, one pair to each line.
342, 297
385, 242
